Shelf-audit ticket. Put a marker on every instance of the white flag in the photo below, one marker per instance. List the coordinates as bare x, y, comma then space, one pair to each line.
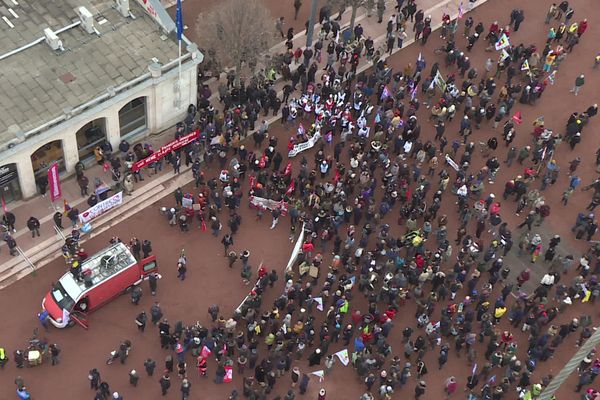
320, 373
319, 301
343, 356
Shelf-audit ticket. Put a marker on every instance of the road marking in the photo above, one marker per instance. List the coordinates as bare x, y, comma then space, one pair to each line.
10, 10
8, 22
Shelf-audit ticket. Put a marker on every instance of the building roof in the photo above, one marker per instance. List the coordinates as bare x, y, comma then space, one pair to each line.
38, 84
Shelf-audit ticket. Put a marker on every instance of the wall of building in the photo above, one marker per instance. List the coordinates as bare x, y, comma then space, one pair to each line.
163, 110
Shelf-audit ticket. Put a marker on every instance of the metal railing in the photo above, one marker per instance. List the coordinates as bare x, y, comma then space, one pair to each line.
59, 232
27, 260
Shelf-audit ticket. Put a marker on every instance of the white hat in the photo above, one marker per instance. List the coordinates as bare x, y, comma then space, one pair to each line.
116, 395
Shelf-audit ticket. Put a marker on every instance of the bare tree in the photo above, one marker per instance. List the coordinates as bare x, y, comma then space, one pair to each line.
236, 33
354, 5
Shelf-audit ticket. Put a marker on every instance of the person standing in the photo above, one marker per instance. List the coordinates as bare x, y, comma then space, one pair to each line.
146, 248
9, 220
57, 217
54, 352
579, 82
33, 224
275, 214
150, 365
153, 282
83, 183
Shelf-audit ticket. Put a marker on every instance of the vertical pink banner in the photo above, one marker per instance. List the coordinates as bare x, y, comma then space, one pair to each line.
54, 182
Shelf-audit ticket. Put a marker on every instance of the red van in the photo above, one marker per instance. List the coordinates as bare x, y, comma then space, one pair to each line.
106, 275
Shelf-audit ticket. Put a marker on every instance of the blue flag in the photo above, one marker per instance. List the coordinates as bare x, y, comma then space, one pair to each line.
179, 21
358, 344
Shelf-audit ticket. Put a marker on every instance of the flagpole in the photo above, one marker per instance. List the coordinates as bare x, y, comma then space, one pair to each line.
179, 69
179, 24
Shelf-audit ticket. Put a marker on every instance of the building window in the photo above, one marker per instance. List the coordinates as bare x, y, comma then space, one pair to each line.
89, 136
132, 117
45, 156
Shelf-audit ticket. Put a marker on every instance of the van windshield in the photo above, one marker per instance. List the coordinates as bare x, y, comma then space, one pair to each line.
61, 297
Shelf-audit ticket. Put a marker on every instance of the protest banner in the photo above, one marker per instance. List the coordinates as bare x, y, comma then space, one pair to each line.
166, 149
268, 204
300, 147
101, 208
451, 162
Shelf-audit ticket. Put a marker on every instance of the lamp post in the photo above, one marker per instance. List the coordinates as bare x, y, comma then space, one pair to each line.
311, 23
570, 366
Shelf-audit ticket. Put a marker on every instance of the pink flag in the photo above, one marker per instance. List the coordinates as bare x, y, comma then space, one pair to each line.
228, 374
205, 352
54, 182
460, 10
385, 93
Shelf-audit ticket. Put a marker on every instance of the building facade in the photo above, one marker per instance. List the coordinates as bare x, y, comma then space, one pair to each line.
144, 102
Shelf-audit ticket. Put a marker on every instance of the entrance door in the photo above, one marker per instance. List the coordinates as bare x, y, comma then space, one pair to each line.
10, 190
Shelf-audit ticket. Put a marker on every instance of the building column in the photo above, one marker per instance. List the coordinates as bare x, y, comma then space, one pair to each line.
26, 177
113, 129
70, 152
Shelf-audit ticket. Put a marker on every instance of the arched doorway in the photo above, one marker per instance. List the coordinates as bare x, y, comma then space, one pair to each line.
10, 190
132, 117
89, 136
45, 156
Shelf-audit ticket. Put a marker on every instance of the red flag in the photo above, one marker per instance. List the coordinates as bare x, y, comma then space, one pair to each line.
252, 180
291, 188
518, 118
337, 176
203, 225
288, 169
66, 205
54, 182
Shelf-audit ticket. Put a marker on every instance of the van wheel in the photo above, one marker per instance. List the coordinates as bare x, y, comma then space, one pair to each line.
71, 324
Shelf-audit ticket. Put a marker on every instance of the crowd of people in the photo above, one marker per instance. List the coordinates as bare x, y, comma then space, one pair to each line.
369, 208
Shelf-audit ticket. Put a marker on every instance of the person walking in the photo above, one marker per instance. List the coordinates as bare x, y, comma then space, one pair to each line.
165, 383
149, 366
579, 82
420, 389
186, 387
227, 241
133, 378
140, 321
297, 5
181, 271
